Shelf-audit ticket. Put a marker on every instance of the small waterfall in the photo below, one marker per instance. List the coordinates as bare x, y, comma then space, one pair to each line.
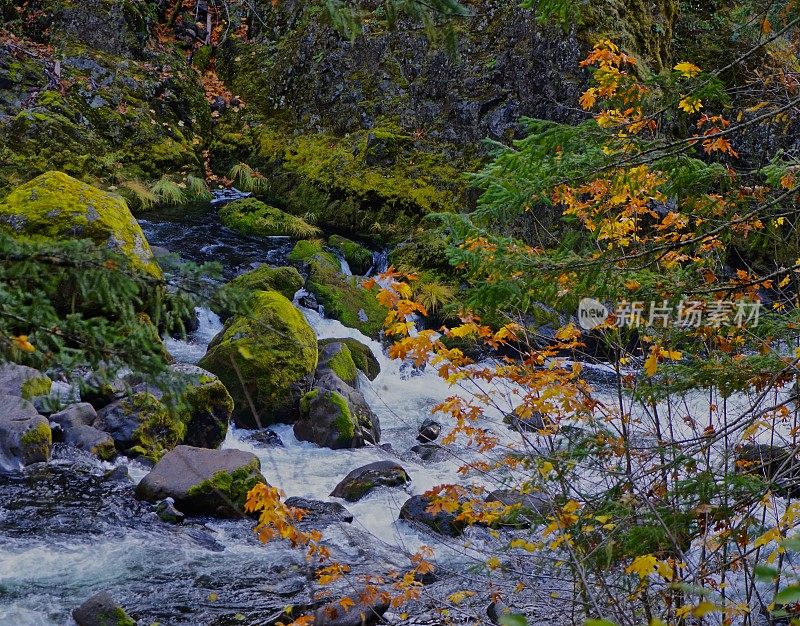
380, 262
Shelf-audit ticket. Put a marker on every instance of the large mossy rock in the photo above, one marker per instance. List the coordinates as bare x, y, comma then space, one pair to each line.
55, 207
361, 354
285, 280
343, 297
202, 481
25, 436
266, 358
363, 480
253, 217
151, 422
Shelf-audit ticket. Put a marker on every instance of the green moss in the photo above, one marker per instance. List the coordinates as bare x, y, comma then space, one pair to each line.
36, 443
229, 486
362, 356
202, 57
264, 356
305, 251
305, 401
357, 256
56, 206
161, 427
253, 217
233, 296
343, 366
37, 386
344, 422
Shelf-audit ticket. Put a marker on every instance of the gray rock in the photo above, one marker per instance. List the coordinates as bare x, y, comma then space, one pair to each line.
92, 440
362, 480
429, 431
101, 610
415, 511
203, 481
82, 414
167, 512
431, 452
25, 436
526, 507
265, 439
321, 512
21, 380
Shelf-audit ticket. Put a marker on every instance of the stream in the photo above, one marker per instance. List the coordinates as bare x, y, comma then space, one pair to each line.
67, 530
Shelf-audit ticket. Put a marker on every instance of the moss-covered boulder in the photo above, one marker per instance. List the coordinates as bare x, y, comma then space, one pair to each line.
253, 217
25, 436
55, 206
362, 355
343, 297
102, 610
234, 295
337, 358
363, 480
203, 481
91, 440
204, 405
357, 256
265, 359
335, 415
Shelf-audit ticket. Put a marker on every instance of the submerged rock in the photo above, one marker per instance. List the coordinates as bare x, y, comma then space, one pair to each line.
415, 511
55, 206
318, 511
265, 439
25, 436
362, 480
265, 358
167, 512
102, 610
202, 481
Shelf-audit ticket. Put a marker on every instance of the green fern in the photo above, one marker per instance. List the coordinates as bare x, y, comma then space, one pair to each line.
245, 178
168, 192
137, 194
196, 188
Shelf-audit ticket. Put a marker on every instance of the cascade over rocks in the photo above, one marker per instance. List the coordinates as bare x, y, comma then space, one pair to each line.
202, 481
363, 480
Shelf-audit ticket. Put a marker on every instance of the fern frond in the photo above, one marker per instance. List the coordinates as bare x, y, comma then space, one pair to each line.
137, 194
168, 192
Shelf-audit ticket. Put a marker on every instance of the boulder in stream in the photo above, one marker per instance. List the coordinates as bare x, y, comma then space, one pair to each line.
203, 481
415, 510
319, 511
429, 431
361, 354
91, 440
102, 610
285, 280
23, 381
362, 480
265, 360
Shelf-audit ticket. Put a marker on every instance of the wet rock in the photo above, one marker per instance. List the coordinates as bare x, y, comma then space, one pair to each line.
526, 507
429, 431
336, 357
203, 481
81, 414
140, 424
361, 354
167, 512
265, 439
118, 474
23, 381
415, 511
361, 614
101, 610
319, 511
431, 452
335, 415
91, 440
25, 436
274, 351
208, 405
362, 480
309, 301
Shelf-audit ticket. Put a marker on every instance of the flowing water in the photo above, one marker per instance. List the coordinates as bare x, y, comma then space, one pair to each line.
67, 531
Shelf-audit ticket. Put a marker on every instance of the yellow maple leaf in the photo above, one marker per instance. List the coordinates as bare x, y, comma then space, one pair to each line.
459, 596
651, 364
688, 70
690, 104
642, 566
545, 468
